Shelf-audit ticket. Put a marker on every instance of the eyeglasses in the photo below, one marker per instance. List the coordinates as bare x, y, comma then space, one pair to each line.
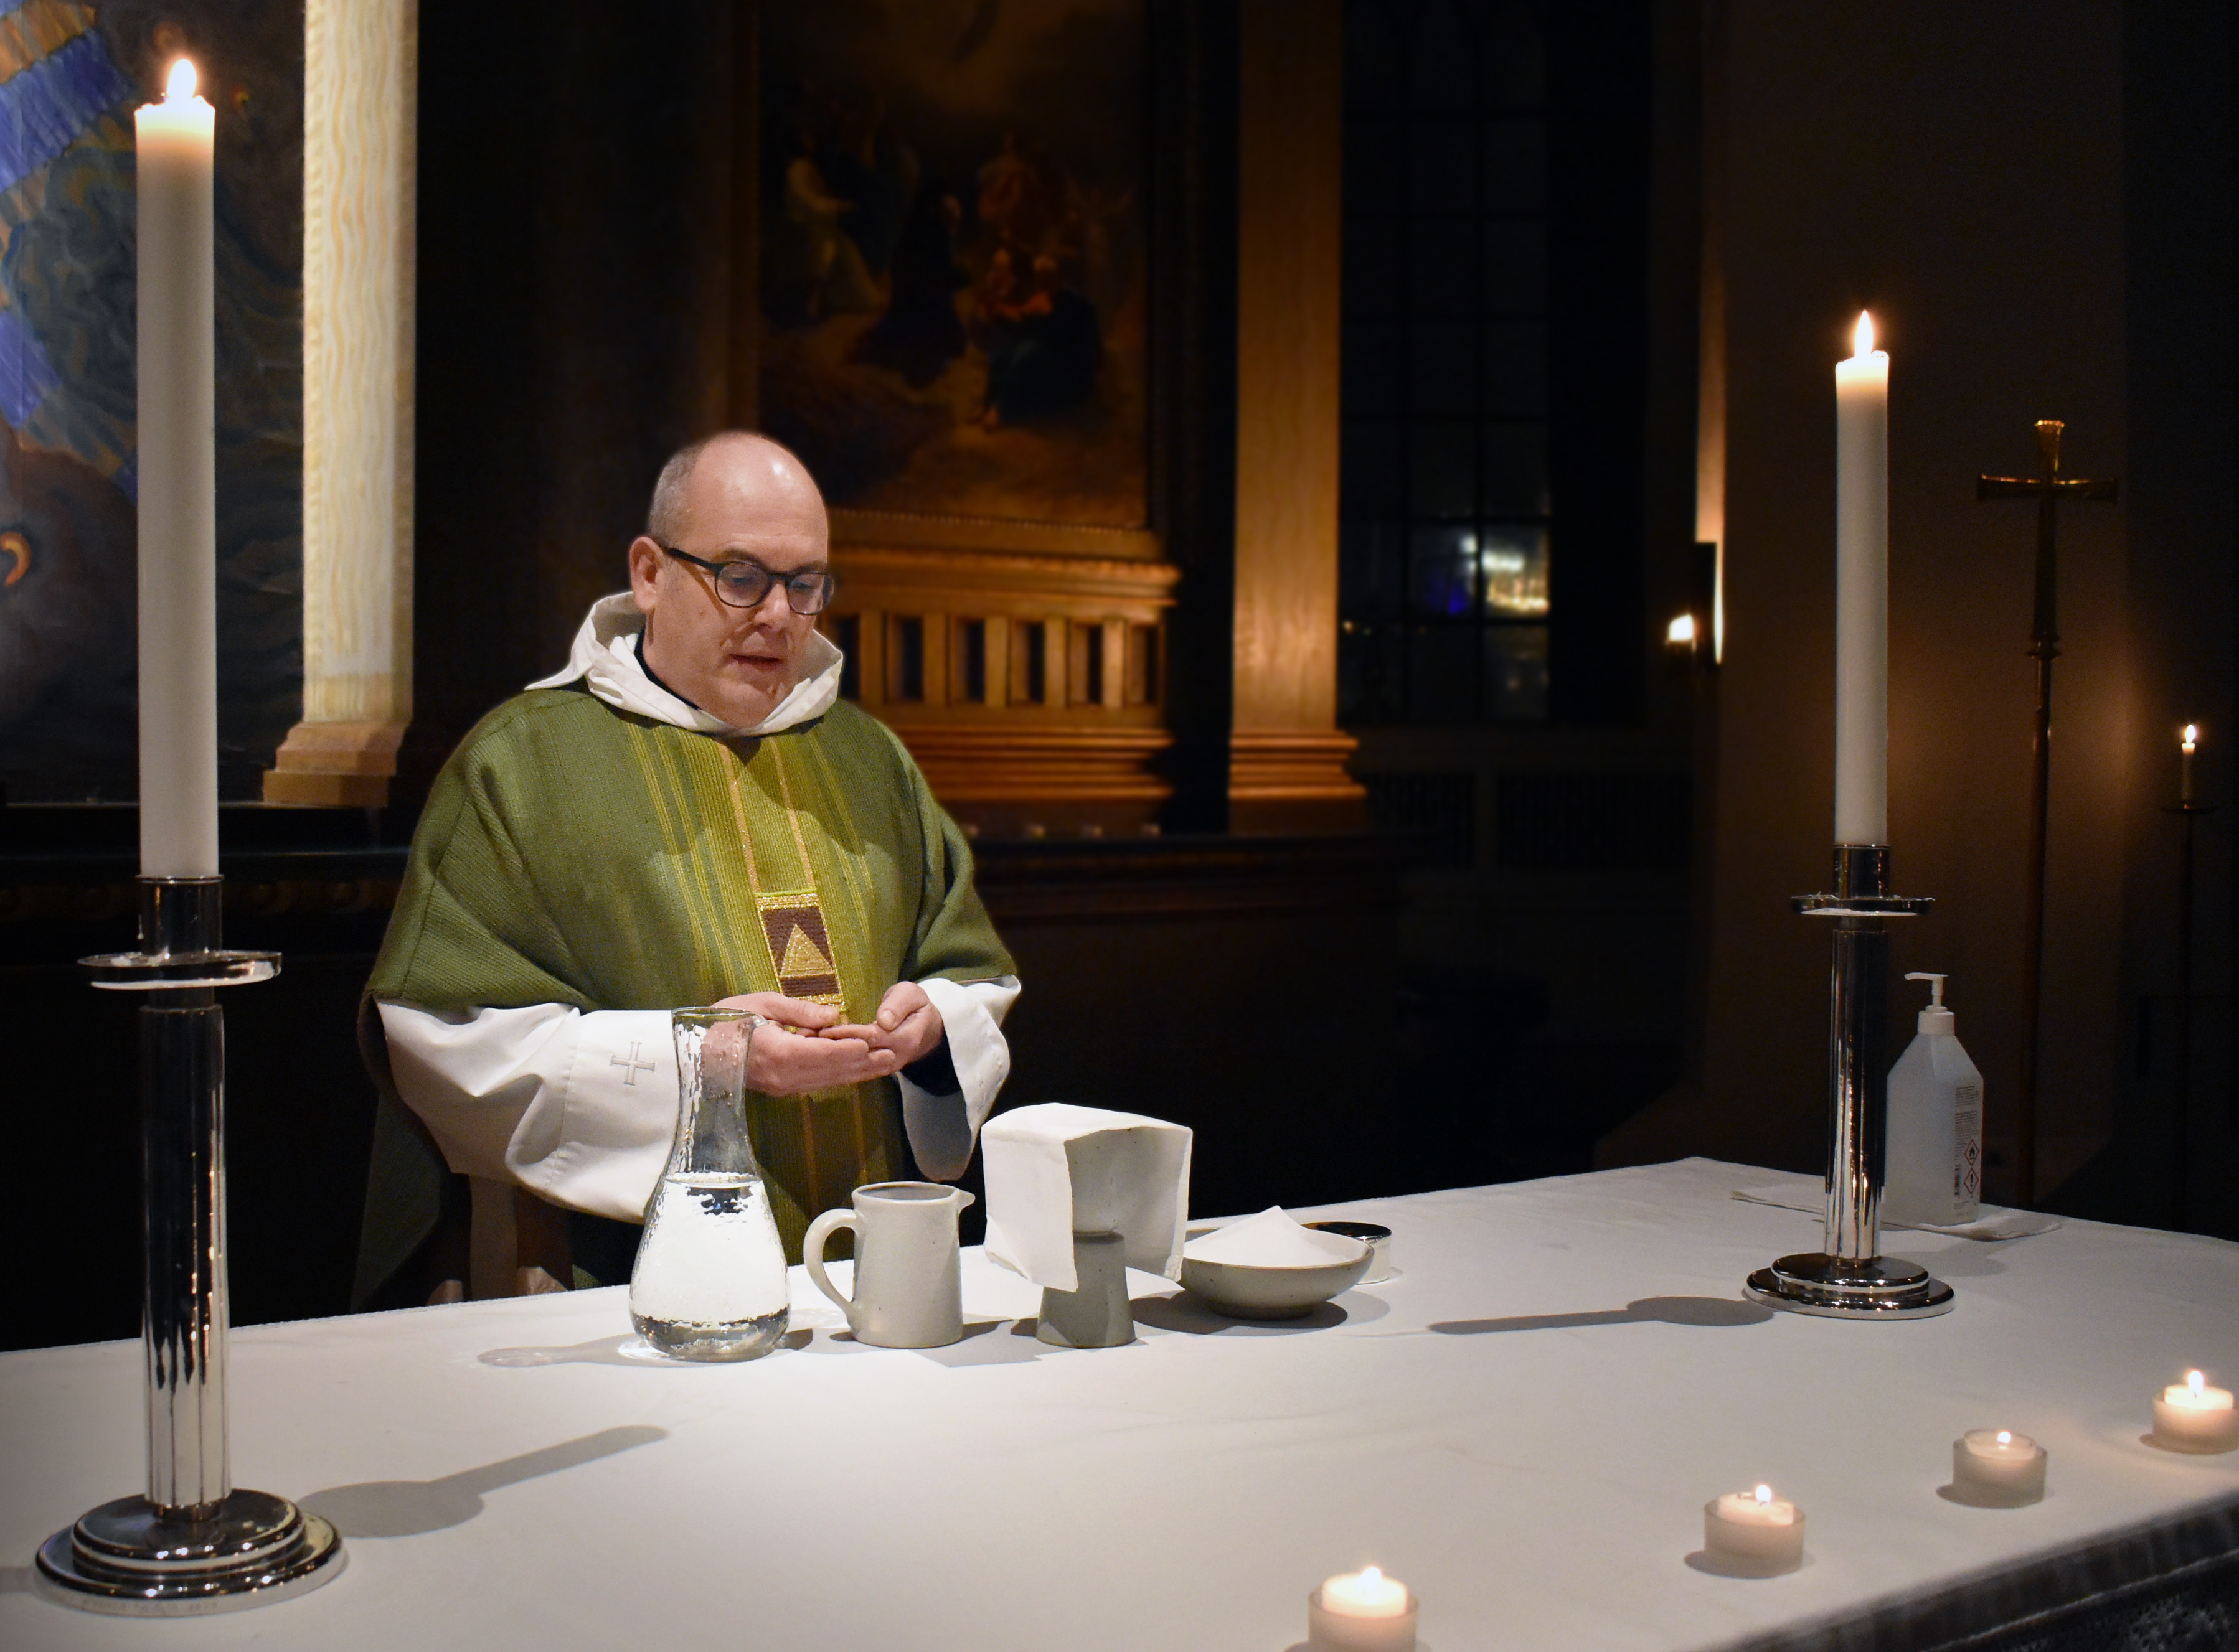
745, 584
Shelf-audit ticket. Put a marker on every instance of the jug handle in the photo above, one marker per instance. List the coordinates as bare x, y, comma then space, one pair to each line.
812, 1252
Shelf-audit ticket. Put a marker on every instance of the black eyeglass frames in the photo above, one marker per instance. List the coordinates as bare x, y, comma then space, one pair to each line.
745, 584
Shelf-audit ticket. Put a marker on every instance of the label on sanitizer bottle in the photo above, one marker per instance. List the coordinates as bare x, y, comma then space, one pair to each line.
1967, 1144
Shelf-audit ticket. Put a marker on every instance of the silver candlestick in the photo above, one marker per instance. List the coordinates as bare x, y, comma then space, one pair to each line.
1850, 1279
193, 1543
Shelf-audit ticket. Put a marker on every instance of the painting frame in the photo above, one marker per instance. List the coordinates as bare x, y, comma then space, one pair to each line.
1173, 54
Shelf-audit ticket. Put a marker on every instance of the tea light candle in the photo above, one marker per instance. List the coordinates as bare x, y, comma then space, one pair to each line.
1362, 1611
1999, 1465
1756, 1529
2192, 1417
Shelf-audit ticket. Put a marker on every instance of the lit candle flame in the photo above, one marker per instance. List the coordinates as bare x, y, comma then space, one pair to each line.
2191, 738
180, 88
1681, 630
2195, 1381
1863, 343
1371, 1576
2005, 1437
1763, 1496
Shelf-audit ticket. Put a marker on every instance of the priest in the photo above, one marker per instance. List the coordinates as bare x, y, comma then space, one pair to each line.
688, 814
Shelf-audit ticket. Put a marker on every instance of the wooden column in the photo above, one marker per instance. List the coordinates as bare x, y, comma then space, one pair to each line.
360, 110
1286, 754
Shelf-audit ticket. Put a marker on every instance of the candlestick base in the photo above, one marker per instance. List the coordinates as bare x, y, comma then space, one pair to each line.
1875, 1288
131, 1558
193, 1544
1849, 1279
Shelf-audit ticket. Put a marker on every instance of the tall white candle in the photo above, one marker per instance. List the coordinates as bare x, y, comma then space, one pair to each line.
1862, 593
178, 475
2185, 748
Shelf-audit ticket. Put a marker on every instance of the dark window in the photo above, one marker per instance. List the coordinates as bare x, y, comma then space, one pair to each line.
1445, 500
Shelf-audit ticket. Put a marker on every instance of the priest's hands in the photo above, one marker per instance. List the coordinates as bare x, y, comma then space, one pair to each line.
805, 1047
907, 1024
820, 1055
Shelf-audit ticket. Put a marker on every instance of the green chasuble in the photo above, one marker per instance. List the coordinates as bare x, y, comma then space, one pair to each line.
575, 853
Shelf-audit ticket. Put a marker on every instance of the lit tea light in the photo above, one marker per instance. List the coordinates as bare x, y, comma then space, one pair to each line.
2192, 1415
1999, 1466
1755, 1529
1362, 1611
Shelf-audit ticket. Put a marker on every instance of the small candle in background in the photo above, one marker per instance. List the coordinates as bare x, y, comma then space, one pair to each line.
1998, 1467
1755, 1529
1362, 1611
2191, 1415
2187, 748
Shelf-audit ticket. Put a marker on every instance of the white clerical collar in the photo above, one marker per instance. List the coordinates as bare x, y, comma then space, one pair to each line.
606, 656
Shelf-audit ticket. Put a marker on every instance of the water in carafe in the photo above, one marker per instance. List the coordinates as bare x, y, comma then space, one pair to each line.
710, 1278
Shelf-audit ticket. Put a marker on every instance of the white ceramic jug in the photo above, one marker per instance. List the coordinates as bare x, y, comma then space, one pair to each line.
908, 1291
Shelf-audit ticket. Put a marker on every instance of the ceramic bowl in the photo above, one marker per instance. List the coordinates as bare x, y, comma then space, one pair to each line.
1242, 1291
1375, 1236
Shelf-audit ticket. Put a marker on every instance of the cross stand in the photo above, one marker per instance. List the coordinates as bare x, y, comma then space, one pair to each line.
193, 1544
1850, 1279
2044, 647
2188, 811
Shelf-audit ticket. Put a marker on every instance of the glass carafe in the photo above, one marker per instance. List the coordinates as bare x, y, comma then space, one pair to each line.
710, 1278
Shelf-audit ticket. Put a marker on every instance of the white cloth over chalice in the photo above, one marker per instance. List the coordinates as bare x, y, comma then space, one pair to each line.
1054, 1171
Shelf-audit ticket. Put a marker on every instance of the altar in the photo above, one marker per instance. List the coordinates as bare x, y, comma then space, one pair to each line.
1524, 1423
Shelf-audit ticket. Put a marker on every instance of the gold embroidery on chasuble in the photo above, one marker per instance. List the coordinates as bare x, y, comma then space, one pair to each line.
765, 927
792, 928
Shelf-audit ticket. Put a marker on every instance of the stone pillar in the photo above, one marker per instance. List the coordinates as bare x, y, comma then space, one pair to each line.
359, 111
1286, 754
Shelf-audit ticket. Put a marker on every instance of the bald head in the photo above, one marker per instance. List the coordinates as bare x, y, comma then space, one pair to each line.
733, 498
731, 469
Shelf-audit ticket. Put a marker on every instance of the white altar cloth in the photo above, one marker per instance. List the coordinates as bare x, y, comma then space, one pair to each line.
1523, 1424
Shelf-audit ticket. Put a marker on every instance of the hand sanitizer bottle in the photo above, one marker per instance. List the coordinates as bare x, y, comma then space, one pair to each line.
1934, 1170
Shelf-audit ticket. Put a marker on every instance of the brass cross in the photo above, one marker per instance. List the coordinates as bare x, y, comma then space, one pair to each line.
2048, 490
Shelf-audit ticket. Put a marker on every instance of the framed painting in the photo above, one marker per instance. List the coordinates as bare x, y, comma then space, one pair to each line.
953, 311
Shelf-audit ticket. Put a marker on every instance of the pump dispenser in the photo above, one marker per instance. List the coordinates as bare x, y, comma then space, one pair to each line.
1933, 1168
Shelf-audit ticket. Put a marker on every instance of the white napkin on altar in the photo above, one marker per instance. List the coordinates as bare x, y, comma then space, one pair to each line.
1055, 1170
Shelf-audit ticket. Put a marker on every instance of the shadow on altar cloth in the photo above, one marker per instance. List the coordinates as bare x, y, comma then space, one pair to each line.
1648, 1311
408, 1507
